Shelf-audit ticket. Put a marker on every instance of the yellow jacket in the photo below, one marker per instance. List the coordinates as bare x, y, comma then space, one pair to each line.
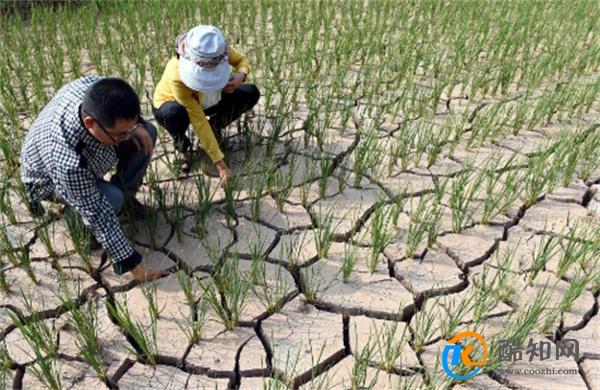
171, 88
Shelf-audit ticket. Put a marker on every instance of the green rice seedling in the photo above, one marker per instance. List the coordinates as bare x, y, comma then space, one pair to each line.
342, 176
7, 248
521, 323
271, 175
484, 295
292, 251
504, 289
325, 164
390, 344
367, 154
304, 192
151, 225
144, 336
6, 207
256, 192
437, 143
289, 366
423, 330
423, 139
520, 116
4, 283
80, 236
257, 257
271, 297
45, 235
577, 286
227, 292
277, 128
176, 215
6, 364
25, 264
499, 197
360, 369
324, 234
456, 312
580, 247
230, 215
43, 342
400, 149
464, 189
484, 124
589, 161
196, 308
439, 187
422, 224
314, 284
84, 320
434, 223
380, 237
348, 261
539, 177
149, 292
567, 153
18, 257
546, 249
203, 205
283, 188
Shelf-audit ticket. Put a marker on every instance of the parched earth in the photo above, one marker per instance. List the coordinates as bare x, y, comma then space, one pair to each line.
322, 323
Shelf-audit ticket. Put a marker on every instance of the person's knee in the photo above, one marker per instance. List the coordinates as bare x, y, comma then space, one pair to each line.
113, 194
253, 95
151, 130
173, 116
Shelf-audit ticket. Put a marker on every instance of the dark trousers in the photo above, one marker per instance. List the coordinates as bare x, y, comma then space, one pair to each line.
175, 119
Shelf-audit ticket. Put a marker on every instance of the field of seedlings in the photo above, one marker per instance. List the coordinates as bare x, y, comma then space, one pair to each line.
412, 170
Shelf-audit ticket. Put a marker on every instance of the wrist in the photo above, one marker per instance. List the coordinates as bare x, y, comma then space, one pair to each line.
221, 165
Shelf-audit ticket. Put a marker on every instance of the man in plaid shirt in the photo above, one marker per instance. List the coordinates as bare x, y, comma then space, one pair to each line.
91, 124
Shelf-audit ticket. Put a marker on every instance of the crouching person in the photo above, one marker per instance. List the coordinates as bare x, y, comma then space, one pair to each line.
90, 125
197, 83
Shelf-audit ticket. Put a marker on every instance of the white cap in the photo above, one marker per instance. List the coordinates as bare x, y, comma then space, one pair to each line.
204, 64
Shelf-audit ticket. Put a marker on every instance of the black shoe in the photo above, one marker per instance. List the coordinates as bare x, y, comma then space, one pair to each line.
185, 163
94, 244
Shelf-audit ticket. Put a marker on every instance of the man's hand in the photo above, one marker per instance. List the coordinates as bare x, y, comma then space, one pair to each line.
224, 173
143, 274
234, 82
143, 140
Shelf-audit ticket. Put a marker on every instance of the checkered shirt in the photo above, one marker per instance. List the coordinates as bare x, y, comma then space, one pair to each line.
61, 158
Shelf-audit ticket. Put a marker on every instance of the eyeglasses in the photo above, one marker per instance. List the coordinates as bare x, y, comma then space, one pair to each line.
122, 136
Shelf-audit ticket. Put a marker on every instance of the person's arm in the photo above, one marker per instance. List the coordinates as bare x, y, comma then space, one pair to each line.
238, 61
78, 188
203, 130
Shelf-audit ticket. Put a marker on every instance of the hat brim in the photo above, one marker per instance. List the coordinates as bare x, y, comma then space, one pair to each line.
202, 79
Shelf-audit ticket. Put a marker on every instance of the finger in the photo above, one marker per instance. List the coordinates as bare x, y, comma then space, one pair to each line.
147, 146
150, 145
136, 142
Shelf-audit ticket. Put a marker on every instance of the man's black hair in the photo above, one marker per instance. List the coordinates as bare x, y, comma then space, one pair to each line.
110, 99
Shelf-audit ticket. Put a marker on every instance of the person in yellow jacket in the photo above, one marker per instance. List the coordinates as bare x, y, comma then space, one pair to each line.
198, 82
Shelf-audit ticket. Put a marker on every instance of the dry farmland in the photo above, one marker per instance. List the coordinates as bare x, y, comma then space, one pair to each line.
412, 170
